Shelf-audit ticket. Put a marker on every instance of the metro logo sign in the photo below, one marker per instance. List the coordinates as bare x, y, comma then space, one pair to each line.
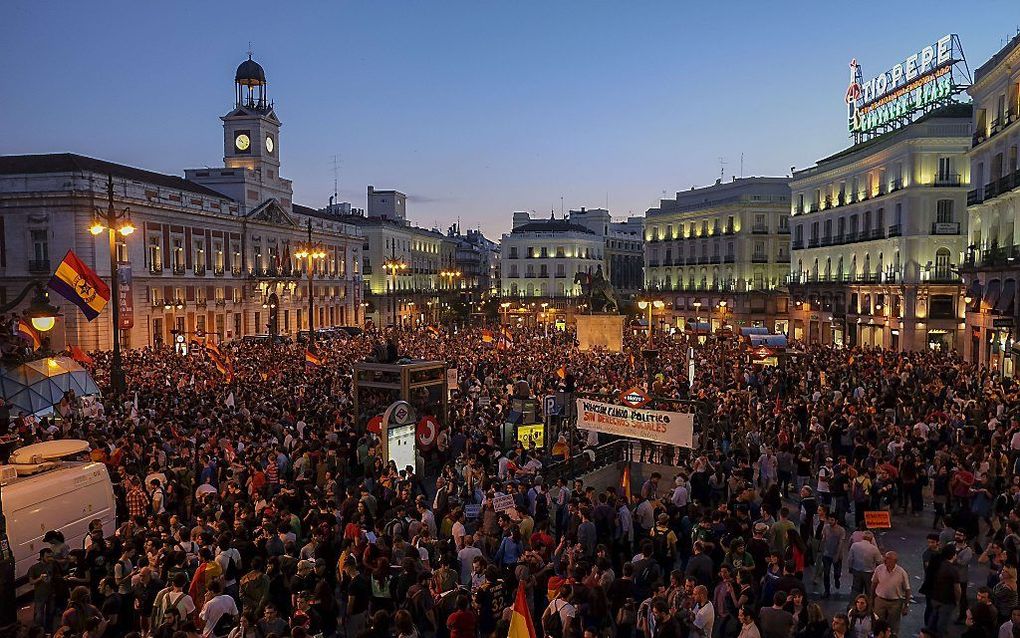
635, 398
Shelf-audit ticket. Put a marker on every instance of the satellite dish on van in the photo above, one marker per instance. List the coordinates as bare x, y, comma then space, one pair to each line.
49, 451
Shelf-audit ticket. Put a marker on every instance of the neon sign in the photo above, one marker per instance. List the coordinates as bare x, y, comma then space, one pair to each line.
923, 81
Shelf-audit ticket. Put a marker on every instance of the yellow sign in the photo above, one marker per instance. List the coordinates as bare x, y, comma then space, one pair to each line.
877, 520
527, 434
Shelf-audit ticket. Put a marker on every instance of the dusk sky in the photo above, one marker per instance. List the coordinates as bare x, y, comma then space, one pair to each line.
474, 109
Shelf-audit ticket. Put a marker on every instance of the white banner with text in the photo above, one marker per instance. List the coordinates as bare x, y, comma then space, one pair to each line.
670, 428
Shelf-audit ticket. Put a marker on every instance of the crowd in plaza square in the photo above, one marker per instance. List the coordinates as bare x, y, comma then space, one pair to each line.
255, 505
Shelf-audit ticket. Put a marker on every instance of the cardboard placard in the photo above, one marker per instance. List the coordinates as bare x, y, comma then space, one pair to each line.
878, 520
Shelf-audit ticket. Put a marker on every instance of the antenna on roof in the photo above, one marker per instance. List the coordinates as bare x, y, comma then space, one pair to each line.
741, 165
336, 177
250, 51
722, 168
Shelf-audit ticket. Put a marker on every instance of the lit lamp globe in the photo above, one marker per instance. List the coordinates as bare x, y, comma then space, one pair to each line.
41, 313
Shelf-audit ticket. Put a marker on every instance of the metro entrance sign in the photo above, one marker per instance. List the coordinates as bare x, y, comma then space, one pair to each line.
923, 81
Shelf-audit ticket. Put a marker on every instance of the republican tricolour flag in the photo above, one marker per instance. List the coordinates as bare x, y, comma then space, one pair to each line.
29, 333
80, 285
486, 336
521, 625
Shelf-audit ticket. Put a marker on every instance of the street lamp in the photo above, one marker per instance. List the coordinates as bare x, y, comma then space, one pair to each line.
392, 266
545, 317
650, 353
506, 309
113, 222
697, 319
310, 251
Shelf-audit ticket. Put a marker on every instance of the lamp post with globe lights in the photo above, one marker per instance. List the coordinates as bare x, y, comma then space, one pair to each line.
113, 222
392, 267
649, 352
310, 251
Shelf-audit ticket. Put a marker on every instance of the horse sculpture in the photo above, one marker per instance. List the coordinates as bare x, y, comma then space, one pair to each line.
597, 291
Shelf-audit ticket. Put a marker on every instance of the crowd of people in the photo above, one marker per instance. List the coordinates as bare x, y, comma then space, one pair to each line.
254, 503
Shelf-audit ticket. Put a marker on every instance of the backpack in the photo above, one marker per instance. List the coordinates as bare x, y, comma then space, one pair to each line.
541, 506
646, 576
552, 624
660, 543
858, 492
168, 613
224, 625
233, 570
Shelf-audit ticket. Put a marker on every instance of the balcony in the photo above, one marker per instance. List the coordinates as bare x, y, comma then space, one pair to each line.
895, 230
783, 258
813, 242
235, 271
39, 265
784, 230
716, 259
759, 259
759, 230
975, 197
218, 271
947, 180
945, 228
729, 259
797, 244
826, 241
728, 230
156, 268
199, 270
179, 269
897, 184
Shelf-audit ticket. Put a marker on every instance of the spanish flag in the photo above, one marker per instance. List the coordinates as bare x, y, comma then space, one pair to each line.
507, 335
29, 333
486, 336
312, 359
521, 625
434, 330
80, 285
625, 482
223, 364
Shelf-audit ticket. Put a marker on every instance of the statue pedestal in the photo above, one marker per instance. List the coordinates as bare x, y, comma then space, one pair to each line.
602, 331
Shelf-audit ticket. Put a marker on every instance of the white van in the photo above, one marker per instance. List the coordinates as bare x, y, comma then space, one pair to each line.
41, 492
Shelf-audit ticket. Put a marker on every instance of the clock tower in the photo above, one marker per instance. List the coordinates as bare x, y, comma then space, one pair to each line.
251, 145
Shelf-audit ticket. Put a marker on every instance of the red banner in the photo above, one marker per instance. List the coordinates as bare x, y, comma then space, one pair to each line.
126, 299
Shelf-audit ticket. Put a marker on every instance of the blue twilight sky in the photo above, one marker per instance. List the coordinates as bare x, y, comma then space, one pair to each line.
474, 108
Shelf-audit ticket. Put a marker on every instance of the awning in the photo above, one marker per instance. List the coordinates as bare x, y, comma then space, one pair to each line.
747, 331
1005, 303
992, 291
771, 341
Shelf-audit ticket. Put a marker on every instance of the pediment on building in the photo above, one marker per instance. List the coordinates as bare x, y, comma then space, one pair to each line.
270, 212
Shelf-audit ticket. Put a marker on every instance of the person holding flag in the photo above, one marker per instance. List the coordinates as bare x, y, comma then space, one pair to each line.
521, 625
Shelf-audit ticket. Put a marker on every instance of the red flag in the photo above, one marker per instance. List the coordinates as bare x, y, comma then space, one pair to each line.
562, 372
625, 481
81, 356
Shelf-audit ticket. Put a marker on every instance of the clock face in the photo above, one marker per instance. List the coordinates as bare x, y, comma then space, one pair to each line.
242, 142
270, 145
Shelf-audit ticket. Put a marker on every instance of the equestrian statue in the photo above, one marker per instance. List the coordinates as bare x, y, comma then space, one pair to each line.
597, 291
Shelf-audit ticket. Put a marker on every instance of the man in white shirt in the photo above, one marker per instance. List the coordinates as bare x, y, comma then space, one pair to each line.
704, 614
219, 605
892, 591
1006, 628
